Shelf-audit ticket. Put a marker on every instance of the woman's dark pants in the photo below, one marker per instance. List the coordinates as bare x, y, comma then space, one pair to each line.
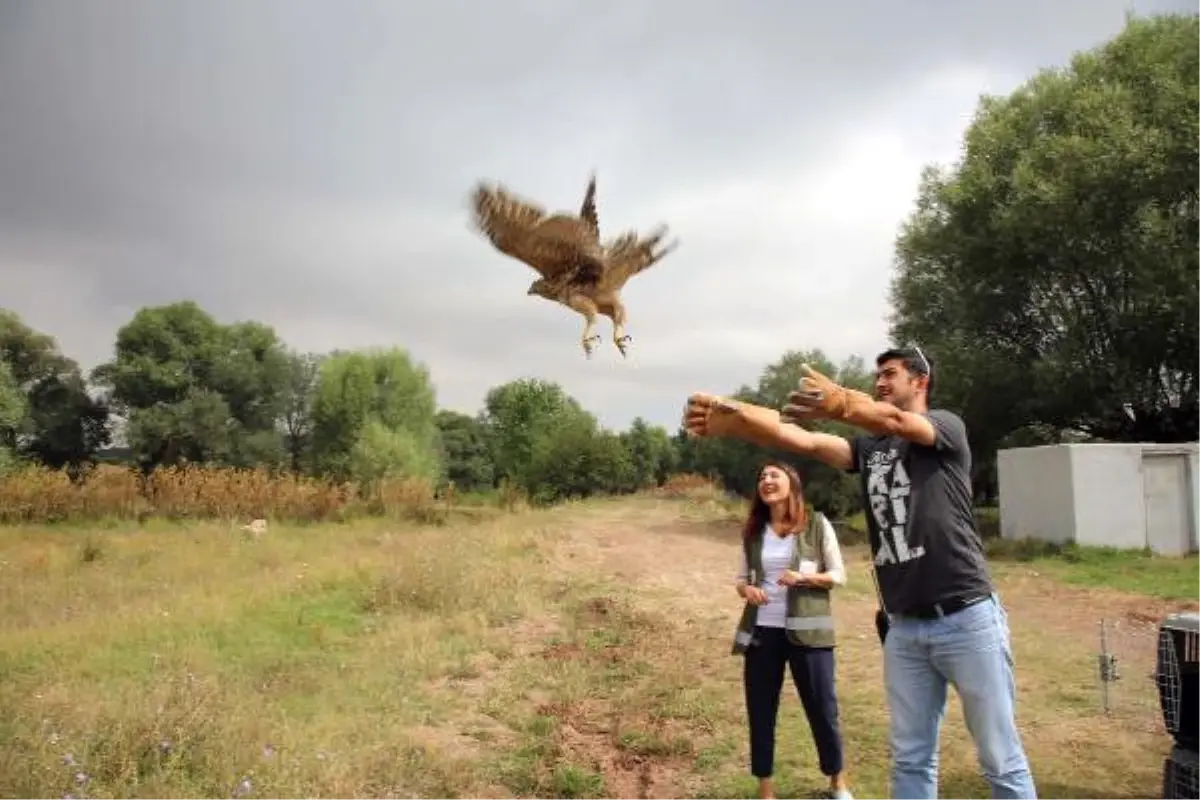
813, 674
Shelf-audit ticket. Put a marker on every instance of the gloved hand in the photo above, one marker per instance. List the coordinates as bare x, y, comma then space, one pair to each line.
709, 415
820, 398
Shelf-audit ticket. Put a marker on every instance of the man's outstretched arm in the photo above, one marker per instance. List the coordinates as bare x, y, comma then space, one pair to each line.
824, 447
713, 416
820, 398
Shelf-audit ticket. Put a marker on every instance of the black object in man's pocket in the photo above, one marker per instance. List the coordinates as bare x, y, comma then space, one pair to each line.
881, 625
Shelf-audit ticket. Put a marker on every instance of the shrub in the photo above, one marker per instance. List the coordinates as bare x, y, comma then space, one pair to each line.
692, 486
40, 495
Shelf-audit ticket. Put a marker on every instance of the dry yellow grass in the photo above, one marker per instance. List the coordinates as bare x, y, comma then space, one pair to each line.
39, 495
689, 484
577, 651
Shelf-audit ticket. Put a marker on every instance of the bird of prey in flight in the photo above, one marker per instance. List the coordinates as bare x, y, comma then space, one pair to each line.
577, 269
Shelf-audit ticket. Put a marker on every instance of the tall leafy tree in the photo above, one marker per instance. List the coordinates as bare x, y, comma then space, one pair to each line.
63, 424
13, 413
196, 390
464, 445
577, 459
652, 453
374, 416
300, 389
1052, 274
517, 414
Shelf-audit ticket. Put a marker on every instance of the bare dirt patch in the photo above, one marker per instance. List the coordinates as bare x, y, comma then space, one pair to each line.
632, 762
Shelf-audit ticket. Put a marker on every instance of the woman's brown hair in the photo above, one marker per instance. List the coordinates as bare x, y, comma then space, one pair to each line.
760, 512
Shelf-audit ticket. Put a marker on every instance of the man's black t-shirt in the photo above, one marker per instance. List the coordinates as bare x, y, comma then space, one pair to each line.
919, 518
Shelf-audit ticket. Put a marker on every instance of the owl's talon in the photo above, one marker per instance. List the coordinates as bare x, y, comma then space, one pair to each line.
589, 344
622, 343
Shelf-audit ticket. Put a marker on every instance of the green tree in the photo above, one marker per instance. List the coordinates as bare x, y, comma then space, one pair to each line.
577, 459
63, 425
465, 452
381, 451
1052, 275
196, 429
252, 373
163, 354
612, 466
196, 390
652, 453
519, 413
371, 406
300, 389
13, 413
69, 425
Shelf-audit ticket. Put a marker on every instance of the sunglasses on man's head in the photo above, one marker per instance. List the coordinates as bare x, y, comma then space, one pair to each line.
924, 361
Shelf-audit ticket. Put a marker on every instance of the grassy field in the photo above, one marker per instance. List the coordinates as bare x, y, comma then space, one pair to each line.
580, 651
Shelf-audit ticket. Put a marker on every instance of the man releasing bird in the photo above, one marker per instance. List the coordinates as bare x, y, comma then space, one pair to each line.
577, 269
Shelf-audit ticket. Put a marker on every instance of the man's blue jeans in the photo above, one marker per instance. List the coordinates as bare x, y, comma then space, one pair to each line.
969, 649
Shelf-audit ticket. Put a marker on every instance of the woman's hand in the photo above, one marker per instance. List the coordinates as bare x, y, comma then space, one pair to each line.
754, 595
818, 580
792, 578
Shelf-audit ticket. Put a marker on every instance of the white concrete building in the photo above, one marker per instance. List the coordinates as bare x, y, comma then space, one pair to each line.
1115, 495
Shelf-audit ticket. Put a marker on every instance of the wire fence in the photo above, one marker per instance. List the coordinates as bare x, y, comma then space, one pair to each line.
1126, 659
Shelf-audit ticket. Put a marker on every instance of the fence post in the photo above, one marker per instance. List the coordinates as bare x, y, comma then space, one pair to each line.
1107, 663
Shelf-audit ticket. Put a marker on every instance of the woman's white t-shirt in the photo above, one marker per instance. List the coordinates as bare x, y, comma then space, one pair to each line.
777, 554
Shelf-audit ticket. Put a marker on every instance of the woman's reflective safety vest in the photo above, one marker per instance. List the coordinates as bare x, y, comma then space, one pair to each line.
809, 613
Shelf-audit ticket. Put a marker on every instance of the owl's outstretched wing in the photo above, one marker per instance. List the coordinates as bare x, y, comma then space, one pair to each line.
587, 212
523, 230
629, 254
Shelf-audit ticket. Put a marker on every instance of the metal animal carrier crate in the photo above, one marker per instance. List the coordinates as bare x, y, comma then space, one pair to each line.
1180, 779
1176, 676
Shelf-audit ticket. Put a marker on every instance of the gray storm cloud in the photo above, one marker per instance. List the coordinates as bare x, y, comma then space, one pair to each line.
307, 164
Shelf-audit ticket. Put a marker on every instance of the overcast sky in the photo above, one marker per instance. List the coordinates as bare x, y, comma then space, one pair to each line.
307, 164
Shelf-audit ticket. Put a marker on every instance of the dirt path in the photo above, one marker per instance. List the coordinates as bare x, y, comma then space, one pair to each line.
652, 547
682, 570
691, 562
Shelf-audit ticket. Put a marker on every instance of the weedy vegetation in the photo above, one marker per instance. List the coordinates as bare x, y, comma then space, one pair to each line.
574, 651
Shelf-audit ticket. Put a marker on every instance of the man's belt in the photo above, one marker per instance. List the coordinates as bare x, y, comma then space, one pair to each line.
937, 610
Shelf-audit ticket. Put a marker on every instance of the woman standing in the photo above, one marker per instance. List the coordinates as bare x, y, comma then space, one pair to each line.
789, 565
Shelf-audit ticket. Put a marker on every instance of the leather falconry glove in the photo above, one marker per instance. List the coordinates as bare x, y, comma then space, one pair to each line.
708, 415
820, 398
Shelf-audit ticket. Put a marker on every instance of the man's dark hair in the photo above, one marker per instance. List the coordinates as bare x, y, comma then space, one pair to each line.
914, 360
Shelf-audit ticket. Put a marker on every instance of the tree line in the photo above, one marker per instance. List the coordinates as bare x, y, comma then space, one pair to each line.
1050, 275
183, 388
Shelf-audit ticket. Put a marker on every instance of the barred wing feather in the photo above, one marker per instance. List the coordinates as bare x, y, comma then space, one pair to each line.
524, 231
629, 254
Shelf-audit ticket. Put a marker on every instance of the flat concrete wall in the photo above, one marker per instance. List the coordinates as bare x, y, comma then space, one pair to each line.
1035, 494
1116, 495
1108, 496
